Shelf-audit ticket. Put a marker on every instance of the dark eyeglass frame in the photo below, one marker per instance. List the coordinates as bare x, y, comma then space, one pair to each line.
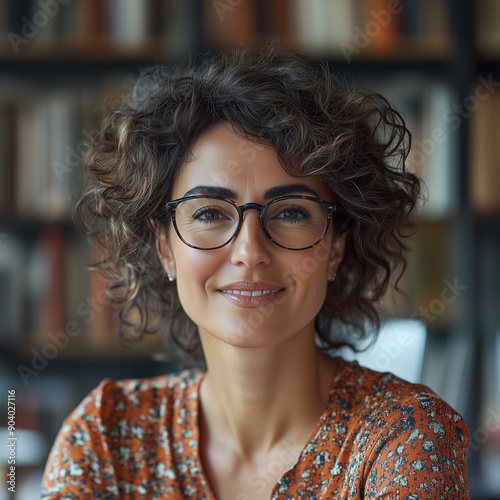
330, 208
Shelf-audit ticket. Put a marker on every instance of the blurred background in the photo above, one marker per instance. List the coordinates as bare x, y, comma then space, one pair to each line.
63, 62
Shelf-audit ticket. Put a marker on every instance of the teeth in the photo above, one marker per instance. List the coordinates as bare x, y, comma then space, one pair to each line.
250, 294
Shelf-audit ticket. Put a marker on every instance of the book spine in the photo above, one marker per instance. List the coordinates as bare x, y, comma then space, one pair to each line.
485, 161
52, 300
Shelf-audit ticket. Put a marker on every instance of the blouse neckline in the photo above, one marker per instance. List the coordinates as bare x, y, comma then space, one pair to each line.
317, 428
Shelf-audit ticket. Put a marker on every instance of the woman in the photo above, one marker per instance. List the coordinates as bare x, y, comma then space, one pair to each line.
257, 207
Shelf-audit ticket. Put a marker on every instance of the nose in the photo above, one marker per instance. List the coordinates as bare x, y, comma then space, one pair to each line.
251, 246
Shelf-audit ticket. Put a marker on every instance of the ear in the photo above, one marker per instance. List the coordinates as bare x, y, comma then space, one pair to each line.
336, 253
163, 248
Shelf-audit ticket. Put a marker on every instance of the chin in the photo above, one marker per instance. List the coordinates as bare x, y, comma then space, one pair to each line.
249, 343
244, 336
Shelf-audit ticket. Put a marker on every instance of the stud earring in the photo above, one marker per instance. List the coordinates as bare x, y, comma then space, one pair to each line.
333, 277
169, 276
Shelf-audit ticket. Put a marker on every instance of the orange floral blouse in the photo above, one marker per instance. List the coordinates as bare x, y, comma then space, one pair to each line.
379, 437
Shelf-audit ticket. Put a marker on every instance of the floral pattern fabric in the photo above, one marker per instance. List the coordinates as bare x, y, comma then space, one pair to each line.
379, 437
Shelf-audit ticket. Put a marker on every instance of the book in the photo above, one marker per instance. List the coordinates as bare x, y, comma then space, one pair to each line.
311, 25
485, 156
102, 316
64, 159
52, 300
438, 148
8, 147
279, 18
43, 17
129, 22
12, 283
341, 23
487, 27
26, 183
42, 150
226, 24
91, 26
382, 25
76, 283
178, 30
427, 107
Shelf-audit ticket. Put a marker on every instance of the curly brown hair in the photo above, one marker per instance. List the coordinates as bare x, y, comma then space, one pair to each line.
352, 139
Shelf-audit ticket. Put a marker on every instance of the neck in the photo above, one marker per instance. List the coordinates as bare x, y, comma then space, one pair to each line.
255, 400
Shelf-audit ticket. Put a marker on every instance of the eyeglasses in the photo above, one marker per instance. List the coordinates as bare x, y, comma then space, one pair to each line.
211, 222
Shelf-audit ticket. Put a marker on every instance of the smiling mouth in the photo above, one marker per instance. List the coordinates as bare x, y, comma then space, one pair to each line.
254, 293
252, 298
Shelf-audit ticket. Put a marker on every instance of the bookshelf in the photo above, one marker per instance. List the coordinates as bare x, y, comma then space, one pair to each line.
427, 56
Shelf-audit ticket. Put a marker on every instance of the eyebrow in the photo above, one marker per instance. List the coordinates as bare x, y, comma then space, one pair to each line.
274, 192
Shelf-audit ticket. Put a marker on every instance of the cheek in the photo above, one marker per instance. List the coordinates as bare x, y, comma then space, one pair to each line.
306, 276
315, 291
310, 267
194, 269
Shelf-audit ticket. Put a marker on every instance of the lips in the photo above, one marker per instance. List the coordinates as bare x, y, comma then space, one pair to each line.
251, 294
248, 293
251, 286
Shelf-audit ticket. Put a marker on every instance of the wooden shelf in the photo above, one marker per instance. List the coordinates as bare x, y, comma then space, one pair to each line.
83, 347
98, 50
407, 50
490, 55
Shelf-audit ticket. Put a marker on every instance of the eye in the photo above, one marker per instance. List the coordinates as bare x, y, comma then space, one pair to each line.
209, 215
293, 214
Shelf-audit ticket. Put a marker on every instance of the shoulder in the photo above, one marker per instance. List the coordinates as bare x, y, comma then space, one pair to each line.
402, 430
384, 402
115, 421
119, 410
113, 399
172, 384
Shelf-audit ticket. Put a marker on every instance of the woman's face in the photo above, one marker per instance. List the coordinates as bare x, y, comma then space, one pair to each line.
223, 159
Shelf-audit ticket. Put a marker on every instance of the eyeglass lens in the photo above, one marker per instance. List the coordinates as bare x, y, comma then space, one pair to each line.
209, 223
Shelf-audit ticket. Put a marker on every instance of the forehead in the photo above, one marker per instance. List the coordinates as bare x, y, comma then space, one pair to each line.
221, 157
